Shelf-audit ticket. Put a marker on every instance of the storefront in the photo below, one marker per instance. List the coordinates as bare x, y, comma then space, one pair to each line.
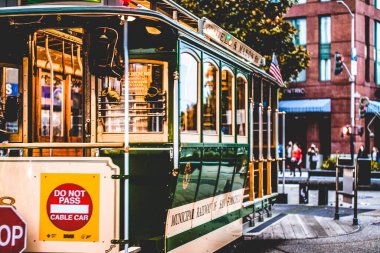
308, 121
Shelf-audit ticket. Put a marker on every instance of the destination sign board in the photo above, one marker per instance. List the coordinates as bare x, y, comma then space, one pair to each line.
58, 1
222, 37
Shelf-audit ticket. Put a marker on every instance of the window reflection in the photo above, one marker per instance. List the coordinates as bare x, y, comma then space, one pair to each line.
189, 171
228, 163
209, 98
226, 103
241, 106
58, 104
189, 91
146, 100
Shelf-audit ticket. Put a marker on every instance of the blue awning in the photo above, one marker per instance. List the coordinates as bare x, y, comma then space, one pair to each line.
373, 106
306, 105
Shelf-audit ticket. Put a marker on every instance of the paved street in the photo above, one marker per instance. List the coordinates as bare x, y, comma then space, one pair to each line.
311, 228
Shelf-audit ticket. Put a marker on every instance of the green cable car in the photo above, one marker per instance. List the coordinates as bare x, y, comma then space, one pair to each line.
173, 152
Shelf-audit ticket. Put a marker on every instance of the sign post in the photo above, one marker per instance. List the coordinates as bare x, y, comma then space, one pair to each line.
13, 231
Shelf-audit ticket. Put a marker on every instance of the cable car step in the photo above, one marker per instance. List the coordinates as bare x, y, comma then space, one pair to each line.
260, 228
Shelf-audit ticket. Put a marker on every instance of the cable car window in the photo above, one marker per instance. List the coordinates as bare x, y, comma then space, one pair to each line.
188, 176
241, 106
209, 172
146, 100
227, 102
58, 64
10, 100
209, 98
241, 168
189, 93
226, 172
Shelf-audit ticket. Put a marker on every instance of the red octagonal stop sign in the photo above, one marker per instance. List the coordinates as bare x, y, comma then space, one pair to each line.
13, 231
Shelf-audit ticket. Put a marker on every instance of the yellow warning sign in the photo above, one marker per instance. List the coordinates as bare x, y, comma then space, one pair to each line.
69, 207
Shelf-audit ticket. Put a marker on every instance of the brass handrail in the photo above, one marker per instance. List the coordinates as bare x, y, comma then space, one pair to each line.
37, 145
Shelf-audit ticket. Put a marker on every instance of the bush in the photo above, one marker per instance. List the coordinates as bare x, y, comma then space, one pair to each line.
329, 163
375, 166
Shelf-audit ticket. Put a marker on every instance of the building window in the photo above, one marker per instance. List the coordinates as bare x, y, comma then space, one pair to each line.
301, 1
189, 93
366, 49
324, 48
377, 4
325, 0
209, 98
300, 40
377, 52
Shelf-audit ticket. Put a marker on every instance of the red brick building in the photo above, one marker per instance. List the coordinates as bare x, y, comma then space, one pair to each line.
318, 102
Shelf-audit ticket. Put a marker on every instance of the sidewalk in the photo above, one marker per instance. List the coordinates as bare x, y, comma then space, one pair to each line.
307, 228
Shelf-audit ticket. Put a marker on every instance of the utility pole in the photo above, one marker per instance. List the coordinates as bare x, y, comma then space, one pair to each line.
352, 74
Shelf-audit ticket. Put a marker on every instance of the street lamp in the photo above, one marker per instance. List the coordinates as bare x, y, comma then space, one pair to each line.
352, 80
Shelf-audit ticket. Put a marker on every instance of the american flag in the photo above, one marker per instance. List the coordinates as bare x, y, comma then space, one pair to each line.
274, 70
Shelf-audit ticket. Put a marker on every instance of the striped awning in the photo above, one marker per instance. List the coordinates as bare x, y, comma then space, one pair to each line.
373, 106
306, 105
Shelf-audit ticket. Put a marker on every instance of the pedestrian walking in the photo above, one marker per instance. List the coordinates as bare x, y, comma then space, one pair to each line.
296, 160
313, 156
374, 154
362, 153
280, 154
289, 149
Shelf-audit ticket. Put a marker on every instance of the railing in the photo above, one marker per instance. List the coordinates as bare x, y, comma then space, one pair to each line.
145, 115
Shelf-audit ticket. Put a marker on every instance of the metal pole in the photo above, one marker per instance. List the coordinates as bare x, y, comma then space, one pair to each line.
251, 130
336, 217
176, 135
352, 79
283, 153
355, 220
269, 133
260, 132
126, 134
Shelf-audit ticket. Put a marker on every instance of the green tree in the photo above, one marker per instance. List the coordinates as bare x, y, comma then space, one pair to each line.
261, 25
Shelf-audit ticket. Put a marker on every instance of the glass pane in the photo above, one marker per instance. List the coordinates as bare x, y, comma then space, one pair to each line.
76, 108
241, 169
325, 70
58, 103
226, 171
300, 25
146, 100
209, 98
210, 168
325, 30
226, 103
189, 93
111, 106
188, 176
12, 105
241, 106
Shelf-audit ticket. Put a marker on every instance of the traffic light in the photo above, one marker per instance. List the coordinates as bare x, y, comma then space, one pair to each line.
363, 103
338, 66
346, 130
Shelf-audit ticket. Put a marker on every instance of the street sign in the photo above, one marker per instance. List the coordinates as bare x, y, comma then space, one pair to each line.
13, 231
69, 207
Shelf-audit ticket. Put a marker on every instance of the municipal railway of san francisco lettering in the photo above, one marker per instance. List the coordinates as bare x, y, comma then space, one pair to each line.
183, 216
